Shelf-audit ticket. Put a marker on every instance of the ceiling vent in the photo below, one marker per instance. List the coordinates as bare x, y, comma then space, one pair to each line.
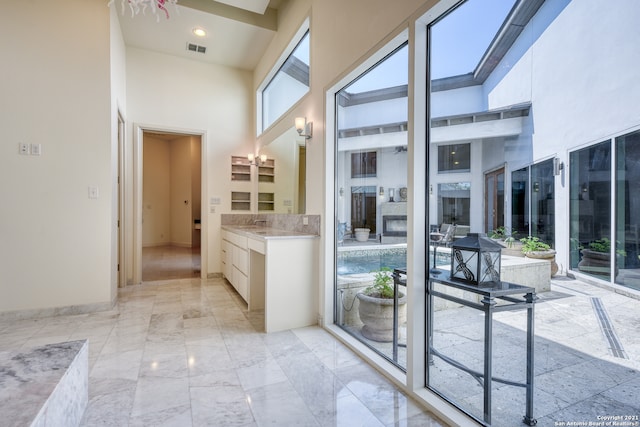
196, 48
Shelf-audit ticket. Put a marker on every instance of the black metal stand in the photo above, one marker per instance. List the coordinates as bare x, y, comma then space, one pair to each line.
504, 291
397, 281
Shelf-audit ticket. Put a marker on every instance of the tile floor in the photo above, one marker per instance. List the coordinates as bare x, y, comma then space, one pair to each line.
170, 262
186, 352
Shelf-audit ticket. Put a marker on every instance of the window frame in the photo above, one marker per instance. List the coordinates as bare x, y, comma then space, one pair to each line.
295, 41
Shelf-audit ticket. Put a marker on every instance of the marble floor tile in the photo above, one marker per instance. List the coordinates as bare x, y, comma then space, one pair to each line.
220, 406
188, 353
268, 408
263, 373
157, 394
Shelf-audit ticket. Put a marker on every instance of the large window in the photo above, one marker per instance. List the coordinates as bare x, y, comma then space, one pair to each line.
554, 151
454, 158
288, 85
371, 206
604, 239
627, 205
533, 202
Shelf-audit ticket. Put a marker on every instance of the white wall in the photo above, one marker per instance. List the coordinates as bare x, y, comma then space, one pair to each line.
180, 189
56, 242
179, 94
156, 197
583, 82
340, 36
118, 106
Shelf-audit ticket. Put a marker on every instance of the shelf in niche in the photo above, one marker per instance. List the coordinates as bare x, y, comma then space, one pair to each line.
240, 201
266, 201
240, 169
267, 171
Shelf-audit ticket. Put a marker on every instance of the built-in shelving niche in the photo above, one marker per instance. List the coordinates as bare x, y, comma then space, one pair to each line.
267, 171
240, 201
240, 169
266, 201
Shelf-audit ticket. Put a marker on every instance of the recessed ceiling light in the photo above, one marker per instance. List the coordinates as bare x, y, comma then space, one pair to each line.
199, 32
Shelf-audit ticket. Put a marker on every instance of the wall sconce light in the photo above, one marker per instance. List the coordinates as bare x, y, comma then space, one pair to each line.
256, 160
304, 129
381, 192
557, 166
584, 187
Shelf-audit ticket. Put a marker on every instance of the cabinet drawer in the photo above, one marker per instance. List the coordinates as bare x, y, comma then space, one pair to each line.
241, 284
236, 239
241, 259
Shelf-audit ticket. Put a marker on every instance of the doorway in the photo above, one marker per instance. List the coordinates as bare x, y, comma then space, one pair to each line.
494, 200
171, 207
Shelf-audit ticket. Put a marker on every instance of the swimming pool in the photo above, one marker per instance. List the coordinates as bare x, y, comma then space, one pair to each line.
367, 263
367, 260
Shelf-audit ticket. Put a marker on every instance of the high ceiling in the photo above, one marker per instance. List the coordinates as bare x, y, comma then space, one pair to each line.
238, 31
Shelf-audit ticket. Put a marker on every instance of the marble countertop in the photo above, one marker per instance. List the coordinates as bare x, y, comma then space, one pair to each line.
261, 232
29, 378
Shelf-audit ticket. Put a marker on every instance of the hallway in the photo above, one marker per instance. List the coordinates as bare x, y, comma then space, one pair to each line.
170, 262
186, 352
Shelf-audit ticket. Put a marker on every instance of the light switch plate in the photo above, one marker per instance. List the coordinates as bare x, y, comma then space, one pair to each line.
94, 193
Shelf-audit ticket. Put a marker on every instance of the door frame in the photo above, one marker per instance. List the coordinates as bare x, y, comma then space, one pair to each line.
493, 204
121, 247
138, 137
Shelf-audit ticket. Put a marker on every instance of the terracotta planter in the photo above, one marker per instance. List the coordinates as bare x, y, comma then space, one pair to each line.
377, 316
548, 255
598, 263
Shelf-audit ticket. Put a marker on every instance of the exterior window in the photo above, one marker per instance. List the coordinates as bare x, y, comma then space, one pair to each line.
371, 206
627, 205
454, 158
533, 202
363, 164
454, 203
590, 210
289, 84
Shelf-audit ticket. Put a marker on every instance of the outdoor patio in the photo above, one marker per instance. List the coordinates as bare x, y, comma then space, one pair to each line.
587, 356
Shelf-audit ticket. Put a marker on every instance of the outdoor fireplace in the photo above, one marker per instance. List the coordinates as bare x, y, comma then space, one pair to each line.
394, 229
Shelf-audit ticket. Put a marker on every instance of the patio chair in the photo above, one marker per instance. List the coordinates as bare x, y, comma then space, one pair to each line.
448, 235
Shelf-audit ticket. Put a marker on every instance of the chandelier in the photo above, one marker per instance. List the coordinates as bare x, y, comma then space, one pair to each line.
138, 6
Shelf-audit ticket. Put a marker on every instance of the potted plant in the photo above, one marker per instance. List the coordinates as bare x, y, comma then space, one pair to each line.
533, 247
596, 259
505, 237
375, 307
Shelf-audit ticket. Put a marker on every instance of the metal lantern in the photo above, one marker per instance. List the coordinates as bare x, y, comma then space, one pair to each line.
475, 260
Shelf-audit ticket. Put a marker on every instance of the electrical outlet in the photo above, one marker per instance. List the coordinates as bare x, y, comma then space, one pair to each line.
94, 193
212, 209
23, 149
305, 220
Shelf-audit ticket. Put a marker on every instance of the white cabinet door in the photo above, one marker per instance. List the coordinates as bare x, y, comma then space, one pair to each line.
241, 259
241, 284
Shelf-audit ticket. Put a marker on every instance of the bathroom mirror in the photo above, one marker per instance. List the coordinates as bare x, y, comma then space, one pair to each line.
289, 184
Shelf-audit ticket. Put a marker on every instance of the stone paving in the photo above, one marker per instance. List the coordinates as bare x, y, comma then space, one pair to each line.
587, 358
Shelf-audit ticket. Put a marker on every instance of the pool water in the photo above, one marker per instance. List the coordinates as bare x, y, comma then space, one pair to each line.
369, 261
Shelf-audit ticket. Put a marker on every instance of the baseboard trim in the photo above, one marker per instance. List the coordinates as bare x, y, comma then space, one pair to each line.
56, 311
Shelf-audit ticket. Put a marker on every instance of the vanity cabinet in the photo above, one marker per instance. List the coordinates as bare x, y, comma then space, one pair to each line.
275, 271
235, 260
